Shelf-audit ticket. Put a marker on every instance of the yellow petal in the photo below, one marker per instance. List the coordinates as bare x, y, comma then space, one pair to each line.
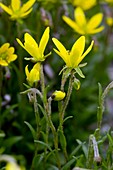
44, 41
86, 52
11, 50
19, 42
94, 31
95, 21
73, 25
6, 9
4, 47
31, 46
77, 51
80, 17
59, 45
3, 63
27, 72
78, 47
27, 6
15, 4
12, 58
25, 13
64, 57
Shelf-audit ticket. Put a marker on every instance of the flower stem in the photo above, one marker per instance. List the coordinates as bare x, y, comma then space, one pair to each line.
1, 78
66, 101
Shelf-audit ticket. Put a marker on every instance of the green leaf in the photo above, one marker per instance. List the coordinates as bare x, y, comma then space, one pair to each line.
62, 139
27, 86
44, 144
12, 140
68, 164
75, 150
45, 94
69, 117
2, 134
38, 160
31, 129
82, 65
43, 111
110, 139
79, 71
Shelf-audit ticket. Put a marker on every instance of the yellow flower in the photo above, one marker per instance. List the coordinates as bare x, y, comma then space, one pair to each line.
30, 45
16, 11
34, 75
73, 57
109, 21
84, 4
58, 95
7, 54
12, 166
109, 1
83, 26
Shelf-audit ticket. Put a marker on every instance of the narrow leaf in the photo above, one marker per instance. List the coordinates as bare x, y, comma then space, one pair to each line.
31, 129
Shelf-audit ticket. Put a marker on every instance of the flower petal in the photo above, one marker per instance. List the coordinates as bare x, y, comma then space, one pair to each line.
4, 47
44, 41
15, 4
22, 15
3, 63
77, 51
6, 9
27, 72
73, 25
27, 6
59, 45
95, 21
12, 58
86, 52
31, 46
80, 17
94, 31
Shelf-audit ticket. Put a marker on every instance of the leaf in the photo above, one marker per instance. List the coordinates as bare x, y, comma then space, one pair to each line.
69, 117
79, 71
44, 144
12, 140
68, 164
62, 139
82, 65
31, 129
43, 111
2, 134
38, 160
45, 94
75, 150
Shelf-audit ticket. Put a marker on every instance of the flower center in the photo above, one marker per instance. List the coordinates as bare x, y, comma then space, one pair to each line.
3, 56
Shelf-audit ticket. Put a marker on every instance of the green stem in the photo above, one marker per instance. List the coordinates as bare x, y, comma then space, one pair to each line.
42, 80
66, 101
47, 107
33, 96
63, 106
55, 134
1, 78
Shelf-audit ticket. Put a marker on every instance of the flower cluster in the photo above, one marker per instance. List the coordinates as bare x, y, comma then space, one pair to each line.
72, 58
7, 54
16, 11
85, 5
83, 26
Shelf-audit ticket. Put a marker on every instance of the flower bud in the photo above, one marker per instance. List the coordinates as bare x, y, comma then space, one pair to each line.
76, 84
58, 95
12, 166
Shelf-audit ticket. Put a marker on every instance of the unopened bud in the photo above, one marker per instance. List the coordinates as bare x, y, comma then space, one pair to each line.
76, 84
58, 95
